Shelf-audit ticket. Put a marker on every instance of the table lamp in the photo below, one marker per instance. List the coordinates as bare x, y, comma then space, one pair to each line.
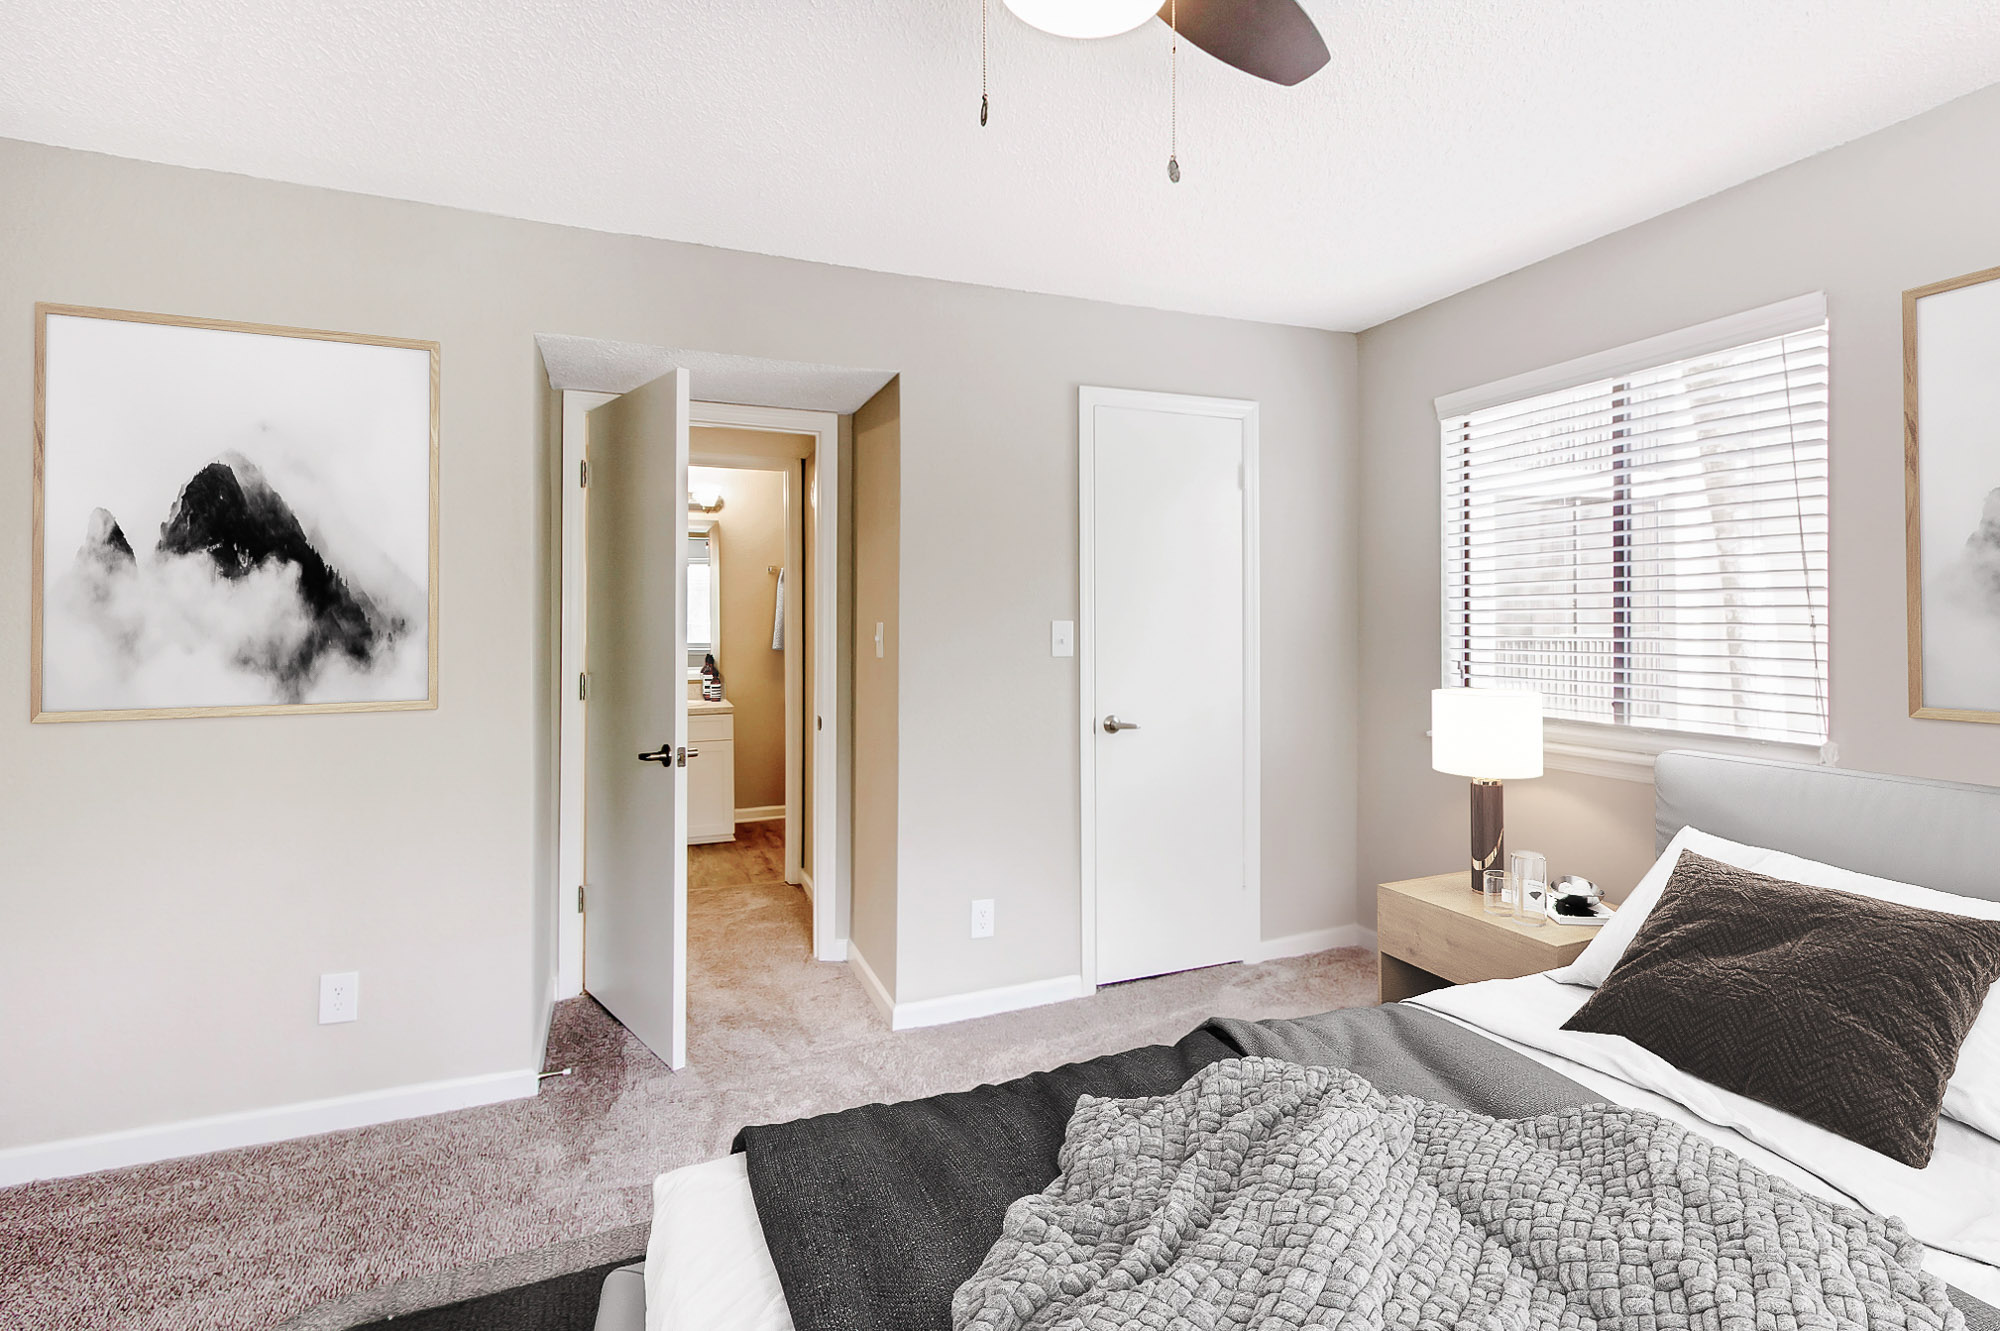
1490, 735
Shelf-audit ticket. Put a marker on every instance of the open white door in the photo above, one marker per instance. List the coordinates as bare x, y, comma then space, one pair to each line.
636, 733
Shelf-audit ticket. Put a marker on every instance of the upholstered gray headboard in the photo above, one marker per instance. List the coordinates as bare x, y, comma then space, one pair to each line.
1937, 834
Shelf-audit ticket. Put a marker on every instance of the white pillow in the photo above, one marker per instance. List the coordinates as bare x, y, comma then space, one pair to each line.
1973, 1094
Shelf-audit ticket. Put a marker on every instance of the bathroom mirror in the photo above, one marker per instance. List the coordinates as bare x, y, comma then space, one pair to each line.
704, 594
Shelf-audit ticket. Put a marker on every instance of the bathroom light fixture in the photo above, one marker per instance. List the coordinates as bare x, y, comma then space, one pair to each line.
707, 499
1084, 18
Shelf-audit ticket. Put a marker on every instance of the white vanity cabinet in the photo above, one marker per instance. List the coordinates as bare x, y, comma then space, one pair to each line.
711, 772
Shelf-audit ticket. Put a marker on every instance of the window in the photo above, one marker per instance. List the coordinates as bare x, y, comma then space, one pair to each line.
1642, 536
704, 597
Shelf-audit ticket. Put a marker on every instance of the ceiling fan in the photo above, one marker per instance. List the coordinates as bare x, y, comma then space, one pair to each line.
1272, 39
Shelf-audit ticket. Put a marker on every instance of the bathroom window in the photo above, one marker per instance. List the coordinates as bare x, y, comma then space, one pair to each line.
704, 595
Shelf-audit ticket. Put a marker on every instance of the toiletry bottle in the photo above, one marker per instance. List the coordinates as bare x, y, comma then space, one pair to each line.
711, 679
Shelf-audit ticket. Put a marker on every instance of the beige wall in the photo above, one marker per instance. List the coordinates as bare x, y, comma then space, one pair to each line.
181, 884
877, 472
1863, 222
752, 527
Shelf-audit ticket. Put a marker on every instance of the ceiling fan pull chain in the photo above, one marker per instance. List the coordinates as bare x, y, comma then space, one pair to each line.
1174, 94
982, 63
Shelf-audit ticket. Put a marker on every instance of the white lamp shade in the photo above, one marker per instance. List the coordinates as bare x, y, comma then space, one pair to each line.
1487, 734
1084, 18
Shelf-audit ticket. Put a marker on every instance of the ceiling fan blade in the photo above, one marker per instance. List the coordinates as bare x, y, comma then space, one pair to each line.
1273, 39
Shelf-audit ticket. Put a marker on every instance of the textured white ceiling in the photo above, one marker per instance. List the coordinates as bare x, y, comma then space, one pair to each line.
599, 365
1445, 144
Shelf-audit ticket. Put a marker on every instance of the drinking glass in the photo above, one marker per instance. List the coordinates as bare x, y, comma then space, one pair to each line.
1530, 872
1497, 892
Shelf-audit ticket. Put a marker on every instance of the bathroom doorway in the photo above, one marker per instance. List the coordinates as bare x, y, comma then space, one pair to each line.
749, 636
789, 836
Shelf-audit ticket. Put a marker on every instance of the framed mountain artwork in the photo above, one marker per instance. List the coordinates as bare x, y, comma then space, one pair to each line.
230, 519
1951, 456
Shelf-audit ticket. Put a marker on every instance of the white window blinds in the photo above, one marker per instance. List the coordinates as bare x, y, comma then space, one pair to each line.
1649, 549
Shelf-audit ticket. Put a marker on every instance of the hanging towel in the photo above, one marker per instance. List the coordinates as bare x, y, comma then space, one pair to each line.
778, 619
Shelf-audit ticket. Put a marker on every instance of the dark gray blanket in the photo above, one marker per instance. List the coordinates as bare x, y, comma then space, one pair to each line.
1408, 1051
875, 1216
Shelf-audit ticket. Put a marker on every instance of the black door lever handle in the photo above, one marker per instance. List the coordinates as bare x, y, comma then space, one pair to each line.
664, 756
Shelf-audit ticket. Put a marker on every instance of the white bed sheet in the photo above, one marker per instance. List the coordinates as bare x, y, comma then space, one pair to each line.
707, 1265
1953, 1206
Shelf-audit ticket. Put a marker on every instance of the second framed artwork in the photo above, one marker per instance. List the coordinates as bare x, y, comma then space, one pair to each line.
1951, 423
231, 519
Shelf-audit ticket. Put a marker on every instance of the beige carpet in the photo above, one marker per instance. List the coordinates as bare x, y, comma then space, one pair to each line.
243, 1240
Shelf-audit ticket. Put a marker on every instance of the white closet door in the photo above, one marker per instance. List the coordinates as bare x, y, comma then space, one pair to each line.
1166, 626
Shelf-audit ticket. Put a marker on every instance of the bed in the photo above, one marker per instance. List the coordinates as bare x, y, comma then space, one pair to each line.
834, 1226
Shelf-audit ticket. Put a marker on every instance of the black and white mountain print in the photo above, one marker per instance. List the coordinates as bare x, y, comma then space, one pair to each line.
233, 519
1978, 570
1962, 620
234, 566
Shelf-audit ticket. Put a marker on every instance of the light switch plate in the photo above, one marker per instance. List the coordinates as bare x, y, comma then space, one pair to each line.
1062, 637
339, 997
878, 640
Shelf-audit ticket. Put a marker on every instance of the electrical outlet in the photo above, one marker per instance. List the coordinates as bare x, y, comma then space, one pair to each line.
339, 996
982, 919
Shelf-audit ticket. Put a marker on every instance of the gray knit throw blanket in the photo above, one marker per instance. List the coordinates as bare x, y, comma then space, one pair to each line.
1264, 1194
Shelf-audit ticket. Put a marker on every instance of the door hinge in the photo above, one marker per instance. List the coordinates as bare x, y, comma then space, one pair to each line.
579, 898
583, 686
583, 473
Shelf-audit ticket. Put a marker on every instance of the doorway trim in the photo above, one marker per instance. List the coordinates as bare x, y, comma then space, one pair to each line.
823, 426
1089, 399
786, 464
824, 707
572, 616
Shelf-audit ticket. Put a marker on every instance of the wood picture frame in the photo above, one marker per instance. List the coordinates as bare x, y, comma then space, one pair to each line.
1953, 597
349, 619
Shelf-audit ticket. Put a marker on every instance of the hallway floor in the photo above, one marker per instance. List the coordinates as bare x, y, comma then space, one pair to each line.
243, 1240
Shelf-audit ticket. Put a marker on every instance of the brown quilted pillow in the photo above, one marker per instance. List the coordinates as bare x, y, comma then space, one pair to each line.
1843, 1010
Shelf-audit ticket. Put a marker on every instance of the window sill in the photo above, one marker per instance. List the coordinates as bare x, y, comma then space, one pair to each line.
1624, 753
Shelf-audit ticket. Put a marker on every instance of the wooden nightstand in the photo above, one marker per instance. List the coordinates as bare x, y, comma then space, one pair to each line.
1434, 932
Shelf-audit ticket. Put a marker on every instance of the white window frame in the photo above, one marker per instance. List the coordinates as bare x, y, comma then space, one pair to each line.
1627, 752
705, 527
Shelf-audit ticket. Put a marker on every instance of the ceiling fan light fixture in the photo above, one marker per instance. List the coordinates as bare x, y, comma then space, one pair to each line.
1084, 18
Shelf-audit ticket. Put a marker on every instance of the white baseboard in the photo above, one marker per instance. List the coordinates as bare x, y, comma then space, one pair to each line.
837, 950
872, 983
1314, 940
987, 1002
806, 881
1014, 997
763, 813
254, 1127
